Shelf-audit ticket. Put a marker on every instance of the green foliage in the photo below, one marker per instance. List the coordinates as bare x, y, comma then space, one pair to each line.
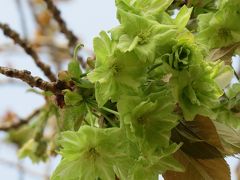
74, 69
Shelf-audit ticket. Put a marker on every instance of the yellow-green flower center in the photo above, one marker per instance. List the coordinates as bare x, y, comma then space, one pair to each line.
224, 33
93, 154
144, 37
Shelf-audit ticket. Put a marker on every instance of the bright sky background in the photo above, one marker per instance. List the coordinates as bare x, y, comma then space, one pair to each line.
86, 19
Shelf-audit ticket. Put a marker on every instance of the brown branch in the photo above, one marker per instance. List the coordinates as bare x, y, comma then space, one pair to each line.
20, 122
26, 76
63, 27
28, 49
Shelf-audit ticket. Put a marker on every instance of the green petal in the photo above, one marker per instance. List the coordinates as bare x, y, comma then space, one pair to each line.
126, 43
222, 74
105, 91
183, 17
103, 47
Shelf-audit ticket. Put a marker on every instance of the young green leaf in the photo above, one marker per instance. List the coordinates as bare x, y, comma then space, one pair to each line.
74, 69
72, 98
183, 17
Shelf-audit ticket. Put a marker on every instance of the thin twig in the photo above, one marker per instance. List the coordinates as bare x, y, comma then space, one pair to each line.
26, 76
28, 49
20, 122
63, 27
236, 75
22, 18
73, 40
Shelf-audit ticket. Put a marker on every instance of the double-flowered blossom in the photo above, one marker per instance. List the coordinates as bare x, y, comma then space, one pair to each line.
89, 153
115, 72
220, 28
141, 35
151, 75
149, 120
148, 123
153, 9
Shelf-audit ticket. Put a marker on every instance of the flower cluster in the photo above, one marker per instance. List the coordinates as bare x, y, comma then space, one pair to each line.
151, 74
